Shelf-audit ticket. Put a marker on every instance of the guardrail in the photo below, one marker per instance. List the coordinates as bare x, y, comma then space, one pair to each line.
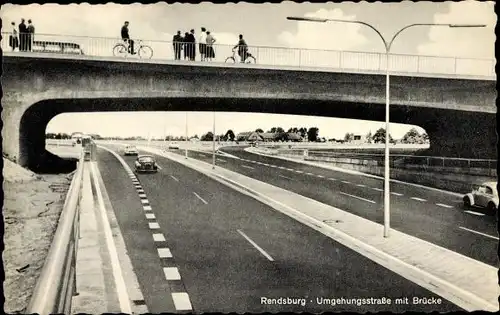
57, 282
264, 55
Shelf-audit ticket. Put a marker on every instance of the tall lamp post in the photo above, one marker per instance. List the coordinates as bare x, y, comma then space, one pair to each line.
387, 45
213, 145
187, 141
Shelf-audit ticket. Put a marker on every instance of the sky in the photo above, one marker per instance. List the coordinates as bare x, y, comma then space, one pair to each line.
265, 25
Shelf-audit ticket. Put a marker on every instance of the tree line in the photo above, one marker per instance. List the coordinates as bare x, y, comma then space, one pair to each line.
411, 137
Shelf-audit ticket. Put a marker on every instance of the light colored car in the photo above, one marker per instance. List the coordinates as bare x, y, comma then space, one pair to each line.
173, 145
485, 196
131, 150
145, 163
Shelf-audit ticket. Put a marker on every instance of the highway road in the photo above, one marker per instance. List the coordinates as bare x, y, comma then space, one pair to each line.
185, 232
430, 215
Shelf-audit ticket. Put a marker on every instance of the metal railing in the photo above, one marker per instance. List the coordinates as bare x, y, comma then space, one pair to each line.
57, 282
400, 159
334, 60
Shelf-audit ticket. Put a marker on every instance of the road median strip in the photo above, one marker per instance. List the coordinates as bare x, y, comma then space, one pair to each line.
468, 283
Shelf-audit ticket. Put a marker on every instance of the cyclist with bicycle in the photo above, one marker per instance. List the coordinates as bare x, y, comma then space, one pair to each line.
242, 49
126, 38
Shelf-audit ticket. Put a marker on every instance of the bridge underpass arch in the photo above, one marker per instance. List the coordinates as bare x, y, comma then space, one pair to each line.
445, 131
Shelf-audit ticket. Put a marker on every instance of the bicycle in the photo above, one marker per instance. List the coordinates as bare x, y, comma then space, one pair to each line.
122, 49
250, 58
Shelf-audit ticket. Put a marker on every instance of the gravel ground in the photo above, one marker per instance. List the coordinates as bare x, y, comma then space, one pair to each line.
32, 205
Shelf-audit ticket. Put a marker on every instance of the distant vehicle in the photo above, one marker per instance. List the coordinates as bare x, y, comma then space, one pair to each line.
146, 163
485, 196
131, 150
173, 145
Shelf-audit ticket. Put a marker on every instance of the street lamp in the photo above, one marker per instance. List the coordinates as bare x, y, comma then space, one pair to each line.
213, 144
186, 151
387, 46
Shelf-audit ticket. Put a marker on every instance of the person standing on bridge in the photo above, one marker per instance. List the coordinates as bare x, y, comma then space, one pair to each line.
31, 35
126, 38
177, 42
23, 32
203, 43
210, 53
185, 45
242, 48
13, 39
191, 42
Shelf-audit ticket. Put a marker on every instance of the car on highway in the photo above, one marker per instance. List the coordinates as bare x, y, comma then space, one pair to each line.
146, 163
130, 150
173, 145
484, 196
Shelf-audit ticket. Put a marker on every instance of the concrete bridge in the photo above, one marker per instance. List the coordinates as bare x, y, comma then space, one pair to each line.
457, 112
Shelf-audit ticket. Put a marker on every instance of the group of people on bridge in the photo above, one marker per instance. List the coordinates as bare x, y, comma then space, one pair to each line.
22, 36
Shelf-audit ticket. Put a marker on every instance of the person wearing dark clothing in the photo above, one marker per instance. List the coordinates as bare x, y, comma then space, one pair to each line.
31, 35
23, 32
191, 42
177, 42
186, 46
242, 49
126, 38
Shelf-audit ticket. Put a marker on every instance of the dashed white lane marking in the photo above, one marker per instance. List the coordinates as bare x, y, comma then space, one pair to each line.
147, 208
396, 194
221, 160
144, 201
142, 196
320, 176
418, 199
378, 189
361, 185
198, 196
140, 190
474, 213
483, 234
284, 176
158, 237
153, 225
443, 205
246, 166
150, 216
263, 252
172, 273
273, 165
345, 182
289, 169
174, 178
331, 178
357, 197
164, 253
309, 174
181, 301
159, 167
298, 171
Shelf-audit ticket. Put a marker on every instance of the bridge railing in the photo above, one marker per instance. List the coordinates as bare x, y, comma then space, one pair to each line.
56, 285
333, 60
402, 159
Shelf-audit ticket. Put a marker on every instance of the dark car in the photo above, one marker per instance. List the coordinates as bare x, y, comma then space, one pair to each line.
146, 163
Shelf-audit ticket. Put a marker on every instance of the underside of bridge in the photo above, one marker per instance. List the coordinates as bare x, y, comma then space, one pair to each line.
451, 133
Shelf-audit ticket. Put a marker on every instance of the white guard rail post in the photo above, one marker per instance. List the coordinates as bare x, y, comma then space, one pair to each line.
57, 282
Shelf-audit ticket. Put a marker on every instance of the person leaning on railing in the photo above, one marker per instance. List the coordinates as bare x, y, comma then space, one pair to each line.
210, 53
177, 42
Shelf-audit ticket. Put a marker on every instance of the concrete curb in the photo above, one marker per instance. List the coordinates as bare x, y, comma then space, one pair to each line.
461, 297
338, 169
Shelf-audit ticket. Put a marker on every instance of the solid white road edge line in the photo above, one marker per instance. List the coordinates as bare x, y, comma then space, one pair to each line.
263, 252
357, 197
483, 234
121, 288
203, 200
247, 167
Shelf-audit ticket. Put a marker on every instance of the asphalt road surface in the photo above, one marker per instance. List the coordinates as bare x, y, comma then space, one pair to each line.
232, 252
430, 215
